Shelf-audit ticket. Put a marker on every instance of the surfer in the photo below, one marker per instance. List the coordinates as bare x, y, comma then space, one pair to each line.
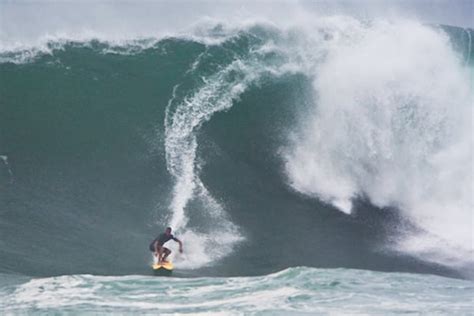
157, 245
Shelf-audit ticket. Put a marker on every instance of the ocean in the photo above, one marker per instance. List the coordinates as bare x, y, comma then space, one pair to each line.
323, 168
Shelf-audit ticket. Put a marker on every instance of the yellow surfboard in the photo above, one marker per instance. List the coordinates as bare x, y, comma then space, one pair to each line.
163, 268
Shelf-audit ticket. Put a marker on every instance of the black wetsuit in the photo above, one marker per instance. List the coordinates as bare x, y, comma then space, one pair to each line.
161, 240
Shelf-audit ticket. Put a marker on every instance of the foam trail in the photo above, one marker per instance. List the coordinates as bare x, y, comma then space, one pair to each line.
182, 123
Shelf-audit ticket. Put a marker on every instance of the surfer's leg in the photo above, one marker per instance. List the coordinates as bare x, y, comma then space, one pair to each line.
166, 252
159, 252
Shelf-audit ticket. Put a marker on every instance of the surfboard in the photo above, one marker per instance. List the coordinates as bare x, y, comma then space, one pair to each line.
163, 268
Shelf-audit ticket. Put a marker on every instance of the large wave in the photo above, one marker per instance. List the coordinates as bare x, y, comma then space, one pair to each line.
386, 116
391, 122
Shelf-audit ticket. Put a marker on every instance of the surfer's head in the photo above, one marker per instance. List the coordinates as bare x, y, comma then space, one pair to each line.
168, 230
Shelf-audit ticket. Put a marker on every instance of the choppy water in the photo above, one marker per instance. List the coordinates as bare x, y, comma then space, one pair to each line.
294, 291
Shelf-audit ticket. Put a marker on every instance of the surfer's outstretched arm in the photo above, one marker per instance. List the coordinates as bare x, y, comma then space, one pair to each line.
180, 244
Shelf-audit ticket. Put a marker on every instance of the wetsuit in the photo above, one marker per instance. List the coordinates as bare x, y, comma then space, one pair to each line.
161, 240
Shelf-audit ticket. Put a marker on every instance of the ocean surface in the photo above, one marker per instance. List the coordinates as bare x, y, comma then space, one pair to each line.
293, 291
324, 169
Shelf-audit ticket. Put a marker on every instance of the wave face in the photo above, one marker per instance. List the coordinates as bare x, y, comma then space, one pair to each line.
342, 143
295, 291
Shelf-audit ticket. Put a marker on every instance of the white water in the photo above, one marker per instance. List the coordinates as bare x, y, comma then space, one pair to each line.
294, 291
182, 124
392, 121
29, 26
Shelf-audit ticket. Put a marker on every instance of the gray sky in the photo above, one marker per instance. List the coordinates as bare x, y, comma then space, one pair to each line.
450, 12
